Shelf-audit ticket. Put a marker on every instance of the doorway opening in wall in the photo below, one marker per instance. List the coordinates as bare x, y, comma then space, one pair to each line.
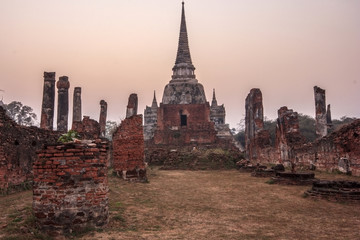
183, 120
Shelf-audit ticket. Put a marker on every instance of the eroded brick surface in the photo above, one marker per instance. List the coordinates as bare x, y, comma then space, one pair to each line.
18, 146
287, 134
128, 149
339, 150
256, 138
87, 128
320, 112
70, 187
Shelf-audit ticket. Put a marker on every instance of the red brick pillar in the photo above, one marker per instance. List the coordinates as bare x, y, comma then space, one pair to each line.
70, 187
128, 149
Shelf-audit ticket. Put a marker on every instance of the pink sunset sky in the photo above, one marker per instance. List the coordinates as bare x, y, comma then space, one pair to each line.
112, 48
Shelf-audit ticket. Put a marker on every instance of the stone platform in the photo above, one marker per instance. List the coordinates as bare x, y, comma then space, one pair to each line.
297, 178
344, 191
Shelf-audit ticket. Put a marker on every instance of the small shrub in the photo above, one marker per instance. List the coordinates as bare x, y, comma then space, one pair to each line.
70, 136
271, 181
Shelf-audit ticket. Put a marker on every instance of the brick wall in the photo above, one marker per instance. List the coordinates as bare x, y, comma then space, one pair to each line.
70, 187
128, 149
18, 146
334, 151
87, 128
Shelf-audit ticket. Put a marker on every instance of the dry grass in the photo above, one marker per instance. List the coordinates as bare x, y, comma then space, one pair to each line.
212, 205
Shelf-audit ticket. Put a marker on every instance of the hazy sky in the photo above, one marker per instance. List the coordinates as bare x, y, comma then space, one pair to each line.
112, 48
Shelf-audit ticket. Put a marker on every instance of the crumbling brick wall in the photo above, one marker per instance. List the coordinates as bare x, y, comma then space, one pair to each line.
338, 151
256, 138
70, 187
87, 128
287, 134
18, 146
128, 149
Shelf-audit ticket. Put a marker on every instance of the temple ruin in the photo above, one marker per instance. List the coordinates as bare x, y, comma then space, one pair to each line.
184, 116
150, 119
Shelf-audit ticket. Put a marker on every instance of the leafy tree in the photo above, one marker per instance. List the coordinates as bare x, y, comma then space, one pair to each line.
337, 124
110, 128
20, 113
307, 127
270, 125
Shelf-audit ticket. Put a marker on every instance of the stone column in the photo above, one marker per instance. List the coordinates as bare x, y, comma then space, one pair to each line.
63, 103
254, 120
77, 116
320, 112
48, 102
132, 105
102, 118
328, 117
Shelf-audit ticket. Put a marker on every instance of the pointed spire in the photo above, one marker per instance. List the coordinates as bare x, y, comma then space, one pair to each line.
183, 53
154, 102
183, 69
214, 101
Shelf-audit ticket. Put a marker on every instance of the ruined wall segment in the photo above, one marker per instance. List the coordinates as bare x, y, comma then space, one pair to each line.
132, 106
48, 101
287, 134
71, 189
256, 137
63, 103
338, 151
18, 146
320, 112
87, 128
128, 149
102, 118
77, 115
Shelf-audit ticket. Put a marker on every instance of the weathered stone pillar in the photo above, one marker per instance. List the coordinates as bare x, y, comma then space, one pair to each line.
63, 103
77, 116
102, 118
328, 117
132, 106
48, 102
255, 135
320, 112
70, 191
